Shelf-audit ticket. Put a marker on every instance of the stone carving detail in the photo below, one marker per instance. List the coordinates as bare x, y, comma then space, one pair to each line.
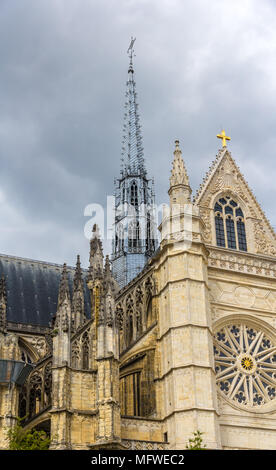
263, 244
36, 394
38, 343
178, 173
245, 364
228, 178
131, 310
76, 354
207, 232
239, 262
80, 349
143, 445
224, 176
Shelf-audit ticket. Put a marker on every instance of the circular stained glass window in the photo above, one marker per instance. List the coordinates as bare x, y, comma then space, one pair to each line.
245, 363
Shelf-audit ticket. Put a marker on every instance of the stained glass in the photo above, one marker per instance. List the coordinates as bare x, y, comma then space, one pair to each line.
241, 235
245, 364
235, 236
231, 236
220, 231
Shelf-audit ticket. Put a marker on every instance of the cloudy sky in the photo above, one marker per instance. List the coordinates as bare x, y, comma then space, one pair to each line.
200, 65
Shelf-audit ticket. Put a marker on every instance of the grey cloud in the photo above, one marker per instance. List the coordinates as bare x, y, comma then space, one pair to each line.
199, 66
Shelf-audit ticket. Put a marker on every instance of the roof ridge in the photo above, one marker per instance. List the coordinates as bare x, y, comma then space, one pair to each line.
47, 263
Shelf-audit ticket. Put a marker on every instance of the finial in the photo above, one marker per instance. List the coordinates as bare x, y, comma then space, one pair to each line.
224, 138
95, 231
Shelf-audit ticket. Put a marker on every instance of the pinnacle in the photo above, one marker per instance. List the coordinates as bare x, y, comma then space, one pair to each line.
95, 242
178, 173
63, 287
107, 268
78, 274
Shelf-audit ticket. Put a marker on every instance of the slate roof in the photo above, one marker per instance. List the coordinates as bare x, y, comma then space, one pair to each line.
32, 289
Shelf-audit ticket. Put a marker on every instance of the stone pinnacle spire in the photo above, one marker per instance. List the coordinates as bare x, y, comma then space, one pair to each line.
78, 275
78, 315
96, 255
132, 147
178, 173
62, 319
180, 190
63, 287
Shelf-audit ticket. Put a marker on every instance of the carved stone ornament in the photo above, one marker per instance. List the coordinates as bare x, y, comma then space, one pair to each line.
263, 244
245, 364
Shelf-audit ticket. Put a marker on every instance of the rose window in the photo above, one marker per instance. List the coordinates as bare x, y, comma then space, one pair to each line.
245, 363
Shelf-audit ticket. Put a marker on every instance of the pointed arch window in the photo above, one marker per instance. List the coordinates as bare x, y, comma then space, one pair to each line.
133, 234
85, 351
119, 238
134, 194
229, 224
149, 241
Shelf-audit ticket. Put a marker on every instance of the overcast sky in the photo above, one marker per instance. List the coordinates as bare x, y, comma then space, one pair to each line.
200, 65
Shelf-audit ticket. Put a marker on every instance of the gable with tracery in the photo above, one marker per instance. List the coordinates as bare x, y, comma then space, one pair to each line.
225, 181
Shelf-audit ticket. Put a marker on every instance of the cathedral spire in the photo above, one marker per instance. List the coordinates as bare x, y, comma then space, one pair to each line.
180, 190
132, 147
135, 234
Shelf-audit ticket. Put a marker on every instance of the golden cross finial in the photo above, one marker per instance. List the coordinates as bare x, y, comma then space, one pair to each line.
224, 137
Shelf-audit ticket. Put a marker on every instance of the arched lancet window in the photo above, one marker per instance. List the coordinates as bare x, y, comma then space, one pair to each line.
149, 240
134, 194
133, 234
119, 238
130, 328
229, 224
85, 351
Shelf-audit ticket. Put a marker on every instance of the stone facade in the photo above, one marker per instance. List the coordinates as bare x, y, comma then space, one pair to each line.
189, 344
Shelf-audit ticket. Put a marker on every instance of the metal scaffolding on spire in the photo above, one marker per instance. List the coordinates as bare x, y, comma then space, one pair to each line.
135, 232
132, 148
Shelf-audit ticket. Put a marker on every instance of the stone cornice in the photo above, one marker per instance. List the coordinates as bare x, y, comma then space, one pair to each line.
247, 263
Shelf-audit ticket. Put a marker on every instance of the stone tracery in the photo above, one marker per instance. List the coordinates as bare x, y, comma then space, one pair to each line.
245, 364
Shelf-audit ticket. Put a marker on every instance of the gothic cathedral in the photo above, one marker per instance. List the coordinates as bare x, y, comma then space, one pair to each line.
165, 338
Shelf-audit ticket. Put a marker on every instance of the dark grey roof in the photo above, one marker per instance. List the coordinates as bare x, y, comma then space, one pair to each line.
32, 289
